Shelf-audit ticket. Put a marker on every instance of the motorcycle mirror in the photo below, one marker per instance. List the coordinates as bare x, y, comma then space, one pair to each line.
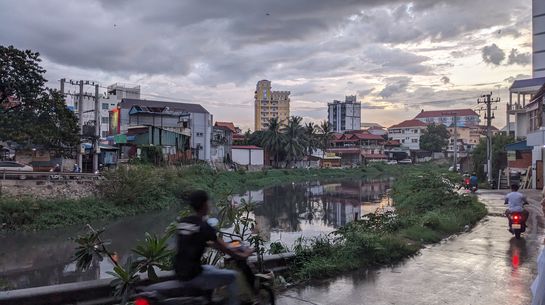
213, 222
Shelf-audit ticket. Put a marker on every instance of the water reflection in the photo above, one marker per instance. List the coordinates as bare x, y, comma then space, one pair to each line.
283, 213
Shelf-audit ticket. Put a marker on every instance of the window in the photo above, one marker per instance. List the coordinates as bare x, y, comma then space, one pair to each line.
105, 106
105, 120
200, 134
104, 134
415, 140
403, 141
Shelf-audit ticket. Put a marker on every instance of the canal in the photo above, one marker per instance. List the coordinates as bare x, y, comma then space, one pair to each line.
283, 213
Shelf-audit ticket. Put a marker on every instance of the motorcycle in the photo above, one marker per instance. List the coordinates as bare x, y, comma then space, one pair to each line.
473, 189
517, 223
257, 285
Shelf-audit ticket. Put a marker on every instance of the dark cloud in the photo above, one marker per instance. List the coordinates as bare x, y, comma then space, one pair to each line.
366, 105
516, 58
445, 80
395, 85
511, 79
395, 60
457, 54
492, 54
363, 93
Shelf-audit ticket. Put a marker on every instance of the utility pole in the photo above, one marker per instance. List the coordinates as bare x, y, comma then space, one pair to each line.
96, 146
487, 100
455, 145
80, 117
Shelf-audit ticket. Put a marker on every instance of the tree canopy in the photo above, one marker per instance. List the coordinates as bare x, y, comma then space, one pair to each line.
39, 115
499, 155
434, 138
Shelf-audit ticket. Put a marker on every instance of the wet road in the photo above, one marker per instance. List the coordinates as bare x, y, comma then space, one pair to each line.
486, 266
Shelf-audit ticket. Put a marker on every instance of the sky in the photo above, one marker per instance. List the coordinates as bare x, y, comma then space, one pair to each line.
398, 57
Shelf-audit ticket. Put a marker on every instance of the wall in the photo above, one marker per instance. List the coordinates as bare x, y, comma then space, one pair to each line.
48, 189
538, 25
406, 137
242, 156
523, 162
201, 133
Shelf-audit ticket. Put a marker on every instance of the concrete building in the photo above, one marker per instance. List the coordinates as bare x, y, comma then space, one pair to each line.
191, 119
538, 45
468, 138
248, 155
407, 133
270, 104
222, 141
355, 147
345, 116
464, 117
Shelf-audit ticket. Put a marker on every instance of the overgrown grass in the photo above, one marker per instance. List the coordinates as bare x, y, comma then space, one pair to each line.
140, 188
427, 210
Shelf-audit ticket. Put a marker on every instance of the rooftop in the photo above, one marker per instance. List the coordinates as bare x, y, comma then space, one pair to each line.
527, 83
226, 125
246, 147
445, 113
409, 123
128, 103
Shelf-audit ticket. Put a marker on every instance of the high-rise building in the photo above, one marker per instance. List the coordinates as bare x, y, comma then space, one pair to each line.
538, 31
270, 104
344, 116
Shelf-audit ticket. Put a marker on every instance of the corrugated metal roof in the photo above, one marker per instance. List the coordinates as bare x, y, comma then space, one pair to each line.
128, 103
518, 146
525, 83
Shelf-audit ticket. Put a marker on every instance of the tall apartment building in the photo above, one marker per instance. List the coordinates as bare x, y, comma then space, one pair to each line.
270, 104
538, 44
344, 116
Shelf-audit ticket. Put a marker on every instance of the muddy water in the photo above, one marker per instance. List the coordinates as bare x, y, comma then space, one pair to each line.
283, 213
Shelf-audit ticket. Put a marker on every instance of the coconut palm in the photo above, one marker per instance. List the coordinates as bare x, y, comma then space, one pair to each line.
295, 139
273, 140
311, 138
324, 137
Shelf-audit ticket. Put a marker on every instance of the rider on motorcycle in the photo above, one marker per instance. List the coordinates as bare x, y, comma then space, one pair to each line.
473, 180
515, 202
194, 234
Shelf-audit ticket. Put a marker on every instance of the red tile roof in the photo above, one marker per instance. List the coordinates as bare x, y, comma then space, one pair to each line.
409, 123
246, 147
227, 125
368, 136
443, 113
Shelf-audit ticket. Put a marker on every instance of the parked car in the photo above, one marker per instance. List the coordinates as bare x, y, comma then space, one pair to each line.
405, 161
12, 166
392, 162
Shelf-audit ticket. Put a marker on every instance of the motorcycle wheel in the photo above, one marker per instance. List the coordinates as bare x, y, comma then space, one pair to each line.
265, 296
517, 234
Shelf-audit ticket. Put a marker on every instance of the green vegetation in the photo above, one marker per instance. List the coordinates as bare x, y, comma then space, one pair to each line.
499, 155
435, 138
139, 188
427, 210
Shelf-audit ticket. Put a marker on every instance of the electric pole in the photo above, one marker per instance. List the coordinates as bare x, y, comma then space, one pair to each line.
96, 146
80, 118
455, 146
487, 100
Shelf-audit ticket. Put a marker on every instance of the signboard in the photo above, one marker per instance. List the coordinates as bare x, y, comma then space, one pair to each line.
115, 124
120, 139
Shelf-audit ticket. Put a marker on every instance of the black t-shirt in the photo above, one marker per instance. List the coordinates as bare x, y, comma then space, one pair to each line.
192, 233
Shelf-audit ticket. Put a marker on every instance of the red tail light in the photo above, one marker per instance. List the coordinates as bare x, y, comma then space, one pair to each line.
141, 301
516, 218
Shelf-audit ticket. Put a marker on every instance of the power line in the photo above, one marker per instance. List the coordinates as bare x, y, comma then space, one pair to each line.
489, 116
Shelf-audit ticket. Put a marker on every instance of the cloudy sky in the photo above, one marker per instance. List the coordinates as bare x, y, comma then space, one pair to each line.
398, 56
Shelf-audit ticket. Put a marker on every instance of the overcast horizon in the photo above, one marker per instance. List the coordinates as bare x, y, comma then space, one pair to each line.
398, 57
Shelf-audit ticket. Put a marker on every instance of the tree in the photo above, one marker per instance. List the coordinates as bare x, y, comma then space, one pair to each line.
273, 140
311, 138
324, 137
499, 155
40, 115
294, 139
435, 138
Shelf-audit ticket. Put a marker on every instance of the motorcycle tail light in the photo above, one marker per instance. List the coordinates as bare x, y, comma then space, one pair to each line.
141, 301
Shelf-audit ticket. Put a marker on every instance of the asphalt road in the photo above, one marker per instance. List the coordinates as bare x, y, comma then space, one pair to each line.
485, 266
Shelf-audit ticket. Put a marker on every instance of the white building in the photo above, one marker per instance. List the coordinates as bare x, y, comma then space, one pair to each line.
344, 116
463, 117
538, 45
170, 115
248, 155
407, 133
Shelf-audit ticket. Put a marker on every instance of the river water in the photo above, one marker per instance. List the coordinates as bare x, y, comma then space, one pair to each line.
283, 213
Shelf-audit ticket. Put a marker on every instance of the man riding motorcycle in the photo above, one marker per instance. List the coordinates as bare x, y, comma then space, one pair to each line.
515, 202
194, 234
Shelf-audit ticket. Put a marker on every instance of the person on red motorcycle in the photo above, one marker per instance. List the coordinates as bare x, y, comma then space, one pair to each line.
515, 202
194, 234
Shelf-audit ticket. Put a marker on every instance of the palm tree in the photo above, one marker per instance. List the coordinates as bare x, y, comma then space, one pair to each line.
273, 140
324, 137
295, 139
311, 138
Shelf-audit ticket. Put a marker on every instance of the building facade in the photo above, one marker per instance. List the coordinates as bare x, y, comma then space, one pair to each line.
463, 117
270, 104
538, 44
222, 141
345, 116
191, 119
407, 133
355, 147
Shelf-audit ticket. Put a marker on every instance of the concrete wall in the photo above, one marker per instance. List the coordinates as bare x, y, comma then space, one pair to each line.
245, 156
538, 25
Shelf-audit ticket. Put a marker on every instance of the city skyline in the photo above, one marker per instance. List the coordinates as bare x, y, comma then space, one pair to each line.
447, 56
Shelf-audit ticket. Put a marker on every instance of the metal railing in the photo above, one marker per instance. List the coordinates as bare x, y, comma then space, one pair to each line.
22, 175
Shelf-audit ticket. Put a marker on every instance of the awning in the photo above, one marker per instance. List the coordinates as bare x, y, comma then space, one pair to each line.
518, 146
